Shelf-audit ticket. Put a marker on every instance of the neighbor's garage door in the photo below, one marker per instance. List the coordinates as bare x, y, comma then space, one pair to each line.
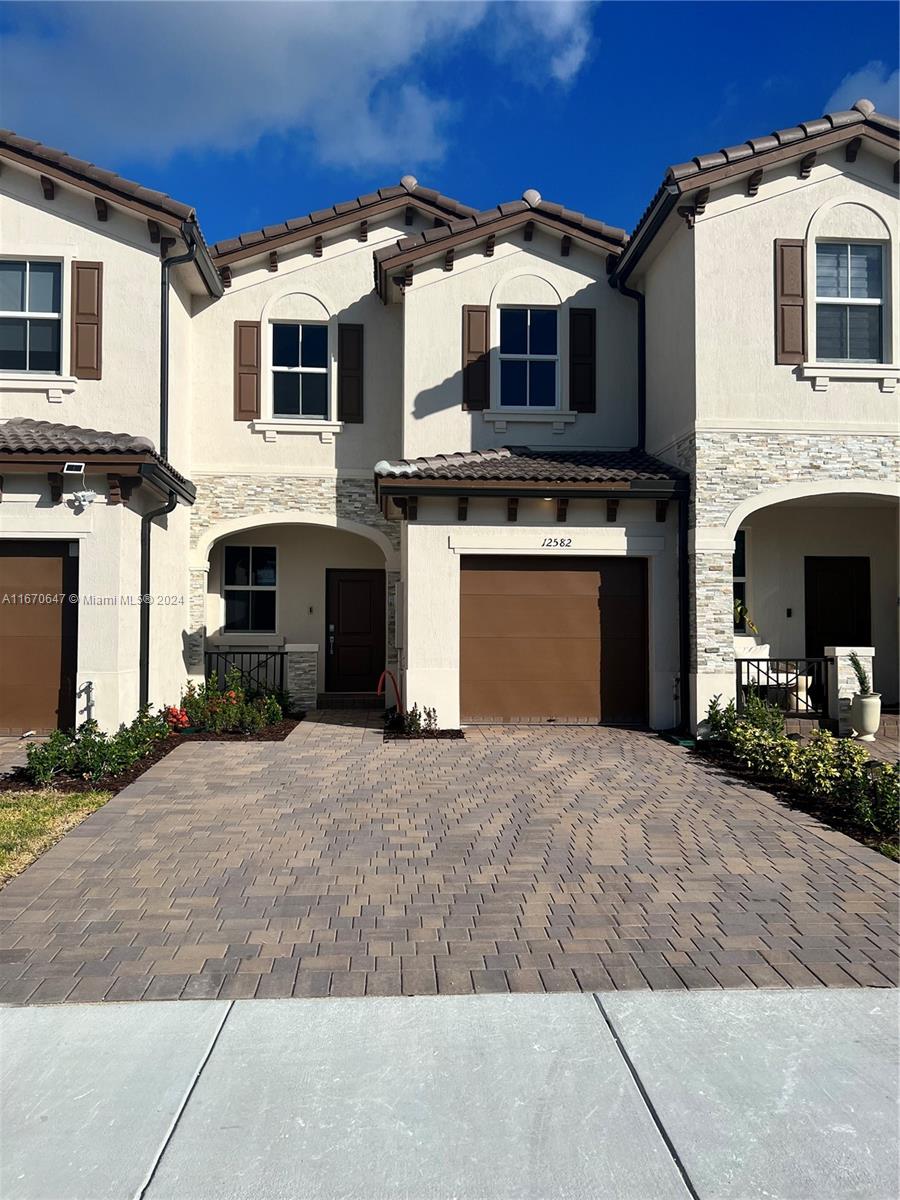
553, 641
37, 636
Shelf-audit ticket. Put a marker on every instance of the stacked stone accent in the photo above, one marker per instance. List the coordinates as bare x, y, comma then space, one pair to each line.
301, 678
227, 497
843, 684
727, 468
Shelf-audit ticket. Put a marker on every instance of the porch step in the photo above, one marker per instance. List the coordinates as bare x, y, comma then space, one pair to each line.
350, 700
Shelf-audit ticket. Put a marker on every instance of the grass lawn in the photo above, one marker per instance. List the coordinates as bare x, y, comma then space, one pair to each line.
30, 823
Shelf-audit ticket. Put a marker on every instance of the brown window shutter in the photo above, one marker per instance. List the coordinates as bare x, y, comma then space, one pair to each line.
350, 373
87, 319
583, 360
246, 370
476, 357
790, 301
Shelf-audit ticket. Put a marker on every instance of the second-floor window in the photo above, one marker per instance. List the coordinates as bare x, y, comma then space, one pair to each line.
250, 578
849, 302
529, 358
30, 316
299, 370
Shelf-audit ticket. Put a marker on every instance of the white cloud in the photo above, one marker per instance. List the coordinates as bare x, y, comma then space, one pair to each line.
148, 79
873, 82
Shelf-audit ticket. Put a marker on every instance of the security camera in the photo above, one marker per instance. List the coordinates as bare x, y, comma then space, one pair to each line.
83, 499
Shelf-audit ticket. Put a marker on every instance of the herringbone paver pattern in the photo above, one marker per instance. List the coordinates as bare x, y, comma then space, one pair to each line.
530, 859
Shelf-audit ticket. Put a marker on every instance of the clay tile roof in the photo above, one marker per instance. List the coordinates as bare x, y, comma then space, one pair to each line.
683, 174
21, 435
82, 172
520, 464
407, 189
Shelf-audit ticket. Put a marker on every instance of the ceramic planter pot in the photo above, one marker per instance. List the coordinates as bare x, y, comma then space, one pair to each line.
865, 715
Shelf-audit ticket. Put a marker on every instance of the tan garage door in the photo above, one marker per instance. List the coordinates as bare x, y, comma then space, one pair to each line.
38, 631
553, 641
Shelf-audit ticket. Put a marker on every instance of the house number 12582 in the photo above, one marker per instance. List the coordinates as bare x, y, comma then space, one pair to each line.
557, 543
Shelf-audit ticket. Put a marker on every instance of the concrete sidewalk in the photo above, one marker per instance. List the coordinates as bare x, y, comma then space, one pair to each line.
644, 1096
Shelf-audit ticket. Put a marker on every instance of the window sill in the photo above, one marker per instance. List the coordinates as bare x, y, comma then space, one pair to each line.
271, 429
55, 386
501, 417
821, 374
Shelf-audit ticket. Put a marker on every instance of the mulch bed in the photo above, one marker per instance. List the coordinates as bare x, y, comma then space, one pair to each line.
17, 780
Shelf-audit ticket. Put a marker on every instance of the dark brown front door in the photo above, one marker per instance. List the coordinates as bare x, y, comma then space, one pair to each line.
838, 603
354, 646
38, 636
553, 640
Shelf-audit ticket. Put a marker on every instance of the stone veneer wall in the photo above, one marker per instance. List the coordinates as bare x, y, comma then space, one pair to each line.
301, 678
229, 497
727, 468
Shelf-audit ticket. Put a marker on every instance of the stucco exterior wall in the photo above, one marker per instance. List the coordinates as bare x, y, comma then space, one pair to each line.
434, 543
66, 228
518, 273
738, 381
778, 540
668, 285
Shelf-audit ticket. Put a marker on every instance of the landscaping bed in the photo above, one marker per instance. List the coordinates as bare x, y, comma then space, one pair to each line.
832, 779
416, 725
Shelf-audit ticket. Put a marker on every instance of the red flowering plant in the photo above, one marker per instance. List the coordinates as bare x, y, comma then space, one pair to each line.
229, 710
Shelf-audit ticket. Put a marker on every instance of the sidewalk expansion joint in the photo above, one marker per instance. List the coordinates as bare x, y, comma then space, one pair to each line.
185, 1100
670, 1146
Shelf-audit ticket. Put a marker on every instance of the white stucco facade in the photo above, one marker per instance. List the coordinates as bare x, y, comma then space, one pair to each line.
803, 457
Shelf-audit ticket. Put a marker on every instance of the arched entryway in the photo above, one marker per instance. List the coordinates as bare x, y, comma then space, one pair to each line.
306, 600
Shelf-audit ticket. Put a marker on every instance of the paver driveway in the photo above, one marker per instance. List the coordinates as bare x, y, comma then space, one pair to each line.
521, 859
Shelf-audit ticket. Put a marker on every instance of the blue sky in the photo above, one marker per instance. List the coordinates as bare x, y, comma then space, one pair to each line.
256, 111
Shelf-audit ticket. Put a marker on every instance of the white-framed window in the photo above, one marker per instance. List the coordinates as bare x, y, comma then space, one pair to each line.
850, 301
249, 585
300, 370
30, 315
529, 358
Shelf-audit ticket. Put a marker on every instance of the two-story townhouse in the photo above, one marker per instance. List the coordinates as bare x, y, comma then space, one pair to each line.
768, 273
584, 446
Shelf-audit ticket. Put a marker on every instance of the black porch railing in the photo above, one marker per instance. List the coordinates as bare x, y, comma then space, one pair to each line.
260, 670
798, 686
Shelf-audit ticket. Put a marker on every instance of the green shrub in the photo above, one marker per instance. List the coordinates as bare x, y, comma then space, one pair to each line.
92, 754
836, 773
230, 710
761, 714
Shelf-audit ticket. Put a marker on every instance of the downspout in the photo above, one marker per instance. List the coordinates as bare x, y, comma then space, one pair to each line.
147, 519
642, 359
684, 618
166, 267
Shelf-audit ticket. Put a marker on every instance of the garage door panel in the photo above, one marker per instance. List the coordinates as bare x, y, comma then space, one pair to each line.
542, 581
530, 659
519, 616
38, 641
506, 701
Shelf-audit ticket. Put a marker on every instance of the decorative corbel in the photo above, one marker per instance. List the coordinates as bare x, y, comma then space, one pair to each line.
852, 151
48, 187
225, 273
102, 208
662, 510
273, 260
165, 245
565, 245
512, 508
153, 230
408, 276
448, 260
686, 212
317, 247
529, 231
754, 179
462, 508
55, 479
114, 489
363, 231
412, 508
701, 199
562, 508
897, 171
409, 215
612, 509
807, 162
489, 246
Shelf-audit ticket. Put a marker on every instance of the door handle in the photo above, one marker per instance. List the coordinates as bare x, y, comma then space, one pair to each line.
331, 644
